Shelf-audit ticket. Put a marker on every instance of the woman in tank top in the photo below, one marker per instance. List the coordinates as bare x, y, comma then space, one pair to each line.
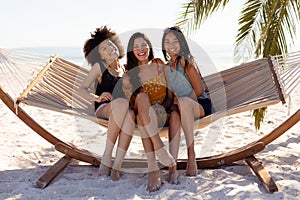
103, 51
186, 82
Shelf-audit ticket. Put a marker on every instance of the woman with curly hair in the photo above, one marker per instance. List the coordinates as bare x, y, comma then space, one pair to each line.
103, 51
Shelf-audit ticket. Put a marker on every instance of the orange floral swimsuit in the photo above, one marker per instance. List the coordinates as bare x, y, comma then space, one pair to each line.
155, 88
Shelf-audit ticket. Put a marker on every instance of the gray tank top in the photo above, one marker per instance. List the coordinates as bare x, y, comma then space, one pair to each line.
180, 83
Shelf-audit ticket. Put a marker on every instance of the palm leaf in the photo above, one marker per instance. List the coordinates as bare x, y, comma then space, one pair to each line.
195, 12
280, 27
265, 28
259, 115
250, 24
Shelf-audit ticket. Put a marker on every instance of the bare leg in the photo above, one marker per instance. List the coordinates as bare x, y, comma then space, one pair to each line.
154, 176
154, 179
162, 153
114, 122
174, 141
191, 109
115, 171
123, 144
105, 166
148, 121
191, 168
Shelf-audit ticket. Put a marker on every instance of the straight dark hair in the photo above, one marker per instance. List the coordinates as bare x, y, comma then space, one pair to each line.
132, 64
184, 47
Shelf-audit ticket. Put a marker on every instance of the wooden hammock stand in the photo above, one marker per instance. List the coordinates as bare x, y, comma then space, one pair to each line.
71, 152
246, 153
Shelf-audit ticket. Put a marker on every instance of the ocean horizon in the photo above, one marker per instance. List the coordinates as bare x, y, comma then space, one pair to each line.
220, 55
72, 54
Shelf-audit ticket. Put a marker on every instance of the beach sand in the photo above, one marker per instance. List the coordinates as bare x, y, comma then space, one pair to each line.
25, 156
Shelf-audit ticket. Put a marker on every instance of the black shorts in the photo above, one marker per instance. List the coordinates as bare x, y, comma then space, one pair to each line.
207, 106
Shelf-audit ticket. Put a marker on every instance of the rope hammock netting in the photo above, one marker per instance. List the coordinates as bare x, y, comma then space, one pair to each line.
52, 83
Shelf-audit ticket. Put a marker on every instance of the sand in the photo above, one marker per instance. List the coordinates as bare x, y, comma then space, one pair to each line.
25, 156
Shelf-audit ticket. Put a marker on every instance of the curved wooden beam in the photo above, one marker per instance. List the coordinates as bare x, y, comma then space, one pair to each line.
21, 114
282, 128
72, 152
207, 162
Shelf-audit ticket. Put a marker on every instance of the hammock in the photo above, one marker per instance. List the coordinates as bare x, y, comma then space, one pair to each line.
52, 83
249, 86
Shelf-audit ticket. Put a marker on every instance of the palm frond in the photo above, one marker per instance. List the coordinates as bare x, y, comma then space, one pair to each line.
280, 27
266, 28
250, 24
267, 34
195, 12
259, 115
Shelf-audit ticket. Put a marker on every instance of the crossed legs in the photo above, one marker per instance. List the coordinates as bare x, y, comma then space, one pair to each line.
153, 145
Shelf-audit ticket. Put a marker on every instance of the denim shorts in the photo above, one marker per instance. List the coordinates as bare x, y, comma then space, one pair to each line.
207, 106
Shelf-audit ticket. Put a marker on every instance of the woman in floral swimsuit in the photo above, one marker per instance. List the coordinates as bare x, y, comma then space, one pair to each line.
145, 86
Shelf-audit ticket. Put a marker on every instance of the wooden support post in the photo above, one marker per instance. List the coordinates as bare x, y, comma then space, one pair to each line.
53, 171
262, 174
77, 154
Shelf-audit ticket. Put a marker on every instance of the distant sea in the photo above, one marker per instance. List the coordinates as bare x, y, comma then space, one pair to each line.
72, 54
220, 55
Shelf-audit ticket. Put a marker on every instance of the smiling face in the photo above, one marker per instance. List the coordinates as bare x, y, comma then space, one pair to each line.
141, 50
108, 51
171, 44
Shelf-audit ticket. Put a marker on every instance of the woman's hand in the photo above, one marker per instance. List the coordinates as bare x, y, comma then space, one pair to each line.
105, 96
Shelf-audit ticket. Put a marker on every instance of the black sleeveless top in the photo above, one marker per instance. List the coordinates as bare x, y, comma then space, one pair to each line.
109, 84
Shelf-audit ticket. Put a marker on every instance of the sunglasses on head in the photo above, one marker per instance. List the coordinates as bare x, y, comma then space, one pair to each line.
173, 28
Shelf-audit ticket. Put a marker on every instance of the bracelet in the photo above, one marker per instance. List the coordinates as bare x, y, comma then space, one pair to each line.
95, 97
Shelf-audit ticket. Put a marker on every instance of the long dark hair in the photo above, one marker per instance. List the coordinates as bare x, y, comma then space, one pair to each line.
184, 51
184, 47
132, 62
90, 48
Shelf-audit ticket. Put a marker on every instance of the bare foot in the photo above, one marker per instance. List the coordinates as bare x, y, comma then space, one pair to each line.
191, 168
115, 175
173, 175
104, 170
165, 157
154, 181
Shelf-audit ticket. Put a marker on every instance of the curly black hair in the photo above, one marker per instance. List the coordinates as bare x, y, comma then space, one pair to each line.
91, 52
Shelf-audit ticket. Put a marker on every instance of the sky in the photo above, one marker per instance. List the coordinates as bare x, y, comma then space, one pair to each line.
40, 23
68, 23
